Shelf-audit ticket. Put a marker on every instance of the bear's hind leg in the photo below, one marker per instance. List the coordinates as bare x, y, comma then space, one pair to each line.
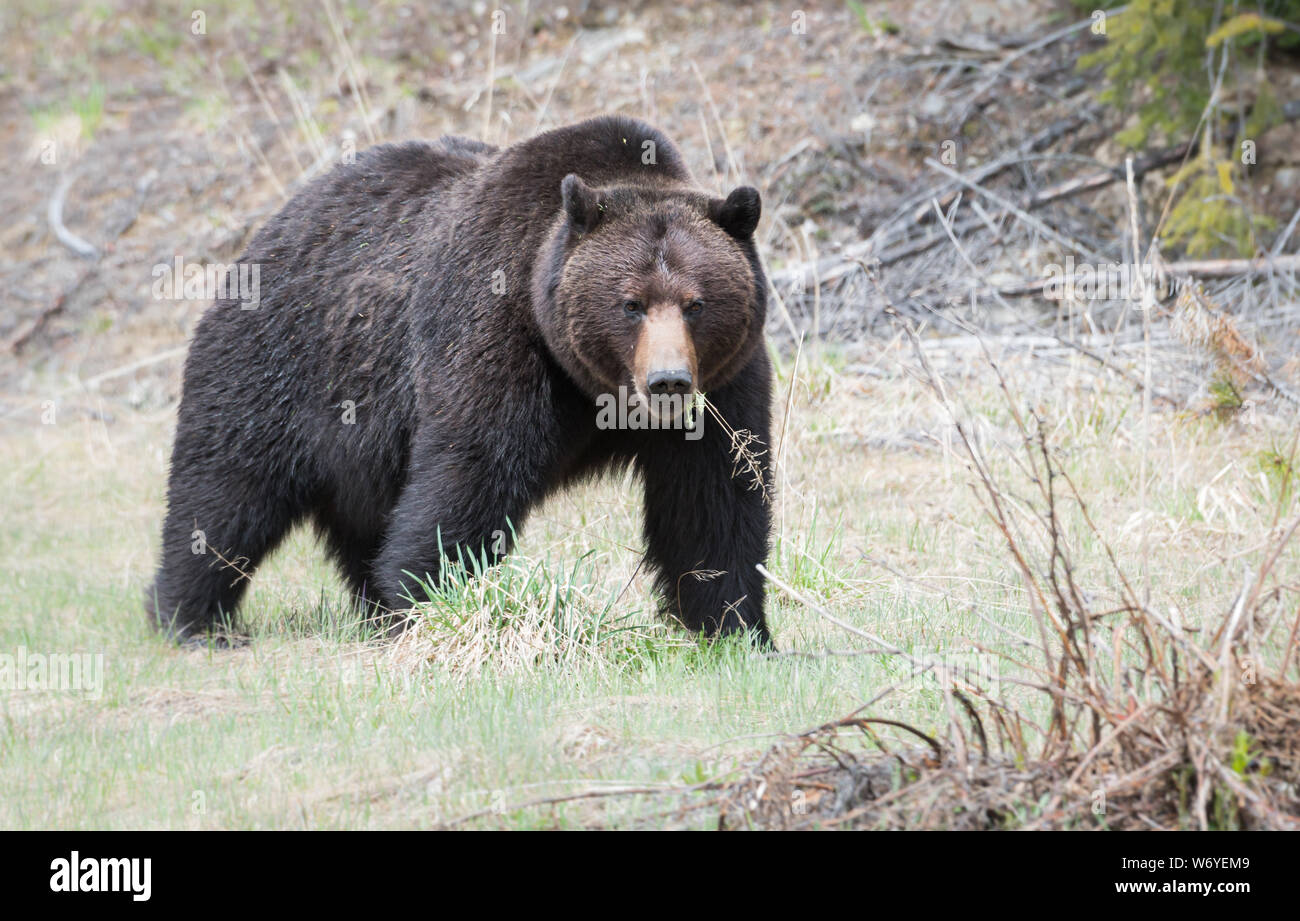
218, 528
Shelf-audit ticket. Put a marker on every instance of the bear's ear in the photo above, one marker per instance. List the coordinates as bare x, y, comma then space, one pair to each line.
581, 203
738, 213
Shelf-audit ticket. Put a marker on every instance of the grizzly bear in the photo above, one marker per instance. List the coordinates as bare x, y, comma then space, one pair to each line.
436, 327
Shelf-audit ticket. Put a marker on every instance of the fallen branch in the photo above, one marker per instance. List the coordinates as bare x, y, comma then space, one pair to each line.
92, 382
36, 324
1051, 133
1203, 268
832, 268
55, 216
1010, 207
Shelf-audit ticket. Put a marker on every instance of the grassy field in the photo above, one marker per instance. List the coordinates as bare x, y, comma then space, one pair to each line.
552, 676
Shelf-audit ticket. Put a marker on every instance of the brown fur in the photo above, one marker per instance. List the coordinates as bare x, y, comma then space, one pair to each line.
472, 401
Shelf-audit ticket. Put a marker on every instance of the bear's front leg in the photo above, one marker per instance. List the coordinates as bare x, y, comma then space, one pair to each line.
708, 508
461, 501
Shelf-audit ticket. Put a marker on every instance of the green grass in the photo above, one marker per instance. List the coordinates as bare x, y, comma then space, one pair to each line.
550, 674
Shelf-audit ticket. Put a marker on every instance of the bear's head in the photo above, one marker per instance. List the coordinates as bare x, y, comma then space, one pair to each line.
653, 288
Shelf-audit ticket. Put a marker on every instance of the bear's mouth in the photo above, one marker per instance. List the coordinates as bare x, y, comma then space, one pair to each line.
665, 409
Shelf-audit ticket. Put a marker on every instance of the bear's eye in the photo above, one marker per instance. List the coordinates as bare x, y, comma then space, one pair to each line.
695, 306
632, 308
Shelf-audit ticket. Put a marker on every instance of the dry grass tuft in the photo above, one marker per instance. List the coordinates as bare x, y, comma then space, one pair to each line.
516, 619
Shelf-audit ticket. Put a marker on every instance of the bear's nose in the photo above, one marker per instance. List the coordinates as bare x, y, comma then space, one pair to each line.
676, 381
